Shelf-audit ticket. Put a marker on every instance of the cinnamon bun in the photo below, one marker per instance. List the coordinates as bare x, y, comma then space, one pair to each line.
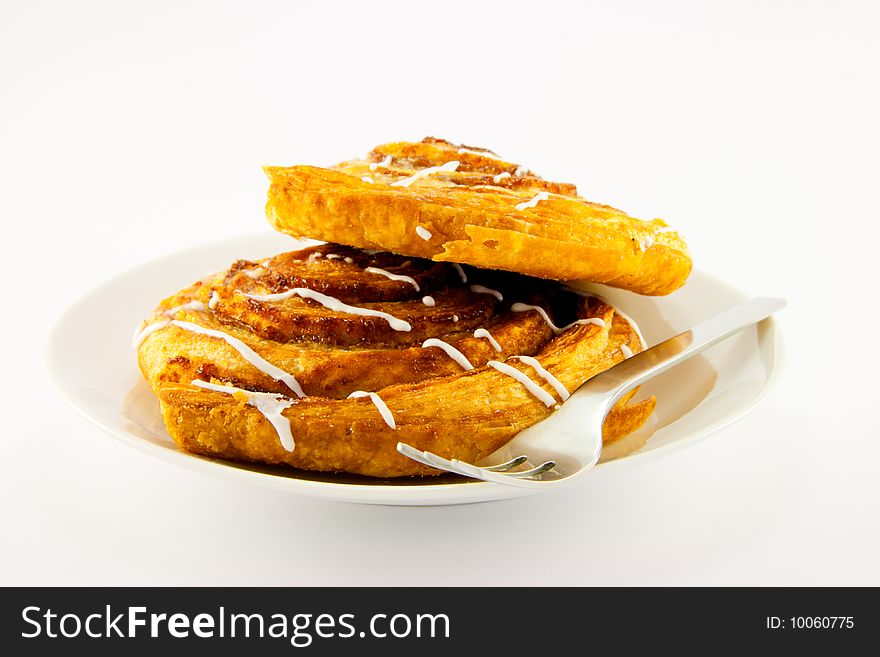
447, 202
325, 358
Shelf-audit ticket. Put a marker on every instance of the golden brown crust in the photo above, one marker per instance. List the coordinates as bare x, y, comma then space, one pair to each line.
435, 403
472, 216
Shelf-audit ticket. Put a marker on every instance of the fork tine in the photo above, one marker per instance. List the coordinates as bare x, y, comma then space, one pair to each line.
429, 458
503, 467
432, 460
416, 455
473, 471
522, 474
534, 472
441, 463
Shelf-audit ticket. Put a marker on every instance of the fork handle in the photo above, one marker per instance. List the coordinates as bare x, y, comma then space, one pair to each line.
626, 375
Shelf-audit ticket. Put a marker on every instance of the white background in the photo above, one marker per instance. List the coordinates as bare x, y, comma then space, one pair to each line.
131, 131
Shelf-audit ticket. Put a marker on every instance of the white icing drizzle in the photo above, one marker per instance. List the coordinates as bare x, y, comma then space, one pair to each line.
379, 403
332, 256
394, 277
490, 156
248, 354
423, 173
384, 163
331, 303
367, 179
190, 305
317, 255
423, 232
544, 374
455, 318
460, 271
214, 300
253, 273
451, 351
483, 333
429, 301
270, 404
527, 383
347, 260
617, 310
537, 198
522, 307
501, 176
626, 351
520, 171
141, 334
482, 289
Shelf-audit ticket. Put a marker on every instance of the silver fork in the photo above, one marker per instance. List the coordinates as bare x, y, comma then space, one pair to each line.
575, 443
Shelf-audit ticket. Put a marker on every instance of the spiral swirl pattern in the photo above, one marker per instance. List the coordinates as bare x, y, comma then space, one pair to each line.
325, 358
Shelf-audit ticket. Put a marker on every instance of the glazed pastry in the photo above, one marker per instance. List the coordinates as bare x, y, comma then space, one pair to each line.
446, 202
325, 358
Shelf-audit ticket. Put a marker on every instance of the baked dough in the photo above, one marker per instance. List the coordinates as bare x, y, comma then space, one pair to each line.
208, 349
446, 202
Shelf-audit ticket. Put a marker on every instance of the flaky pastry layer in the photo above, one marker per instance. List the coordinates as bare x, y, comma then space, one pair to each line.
446, 202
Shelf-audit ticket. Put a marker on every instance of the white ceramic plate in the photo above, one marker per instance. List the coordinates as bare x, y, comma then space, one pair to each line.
95, 368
